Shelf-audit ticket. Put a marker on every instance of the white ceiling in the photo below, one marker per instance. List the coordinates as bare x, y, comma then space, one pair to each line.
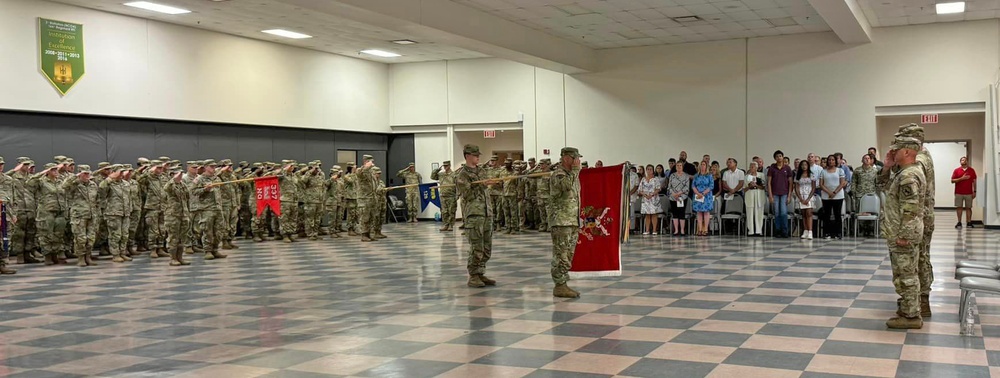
912, 12
248, 17
621, 23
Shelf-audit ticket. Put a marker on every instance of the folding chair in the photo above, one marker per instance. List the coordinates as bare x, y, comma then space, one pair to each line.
396, 207
734, 211
868, 211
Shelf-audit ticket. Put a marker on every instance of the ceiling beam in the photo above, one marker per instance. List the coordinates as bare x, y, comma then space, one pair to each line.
846, 18
450, 23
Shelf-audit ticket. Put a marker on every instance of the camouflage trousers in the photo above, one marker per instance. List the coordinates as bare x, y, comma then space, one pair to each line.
288, 220
155, 234
258, 223
336, 213
904, 276
366, 215
496, 203
449, 206
208, 224
412, 203
543, 215
230, 217
102, 231
379, 214
51, 232
479, 229
563, 245
176, 226
512, 212
141, 231
245, 219
118, 227
351, 206
84, 235
313, 215
924, 269
23, 233
133, 226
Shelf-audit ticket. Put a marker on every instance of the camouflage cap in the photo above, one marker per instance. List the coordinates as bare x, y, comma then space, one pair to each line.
447, 163
175, 162
518, 162
352, 164
30, 163
470, 149
84, 168
531, 160
257, 165
50, 165
545, 161
571, 151
193, 163
508, 161
411, 164
225, 162
584, 163
494, 158
103, 164
244, 163
301, 165
335, 168
311, 164
209, 163
317, 162
142, 161
58, 158
906, 143
376, 170
23, 159
1, 160
156, 162
165, 158
69, 161
367, 157
911, 130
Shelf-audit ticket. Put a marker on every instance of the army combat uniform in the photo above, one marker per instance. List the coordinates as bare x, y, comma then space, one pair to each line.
542, 188
477, 218
380, 205
176, 219
411, 177
152, 184
511, 207
334, 200
117, 209
449, 201
206, 208
564, 222
365, 185
313, 194
82, 198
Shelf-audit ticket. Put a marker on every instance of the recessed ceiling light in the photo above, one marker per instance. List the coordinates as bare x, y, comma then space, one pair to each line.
784, 21
404, 42
949, 8
157, 7
687, 19
286, 33
380, 53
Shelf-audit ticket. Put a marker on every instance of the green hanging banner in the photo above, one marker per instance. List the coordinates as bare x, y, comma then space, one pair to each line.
61, 46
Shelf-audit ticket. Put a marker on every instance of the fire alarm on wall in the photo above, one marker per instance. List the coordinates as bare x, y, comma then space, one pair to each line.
545, 151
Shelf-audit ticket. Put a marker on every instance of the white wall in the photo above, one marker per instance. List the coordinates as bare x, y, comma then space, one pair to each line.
429, 148
142, 68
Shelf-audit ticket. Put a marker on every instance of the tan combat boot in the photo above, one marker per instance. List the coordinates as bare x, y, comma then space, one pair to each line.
257, 239
142, 248
5, 270
487, 280
476, 281
162, 252
365, 237
563, 291
443, 229
89, 259
118, 259
81, 261
925, 305
126, 257
287, 239
226, 245
378, 235
902, 322
352, 233
153, 255
50, 260
179, 255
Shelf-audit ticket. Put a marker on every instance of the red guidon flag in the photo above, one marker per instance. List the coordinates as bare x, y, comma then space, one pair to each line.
268, 194
602, 205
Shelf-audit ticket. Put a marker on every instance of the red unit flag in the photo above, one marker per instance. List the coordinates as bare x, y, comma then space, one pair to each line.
268, 194
602, 199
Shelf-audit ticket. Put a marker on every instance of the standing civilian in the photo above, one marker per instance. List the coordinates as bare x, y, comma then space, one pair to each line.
649, 190
832, 183
704, 203
679, 184
755, 200
779, 181
805, 188
964, 178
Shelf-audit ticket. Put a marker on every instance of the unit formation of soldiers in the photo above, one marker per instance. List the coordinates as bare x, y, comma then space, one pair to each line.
162, 208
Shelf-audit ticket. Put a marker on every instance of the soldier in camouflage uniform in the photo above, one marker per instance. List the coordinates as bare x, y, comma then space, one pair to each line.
496, 170
176, 217
48, 214
924, 268
902, 217
246, 189
194, 240
206, 209
139, 237
378, 210
334, 198
542, 185
117, 209
863, 183
351, 198
289, 185
102, 173
135, 214
81, 194
313, 194
411, 177
511, 208
229, 195
449, 202
529, 205
22, 233
152, 183
8, 194
476, 214
564, 219
365, 181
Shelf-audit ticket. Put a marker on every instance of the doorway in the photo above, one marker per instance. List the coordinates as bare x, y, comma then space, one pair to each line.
945, 151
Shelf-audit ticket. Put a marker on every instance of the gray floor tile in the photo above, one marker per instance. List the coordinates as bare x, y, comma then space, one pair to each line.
627, 310
726, 339
661, 322
856, 349
581, 330
520, 357
705, 305
814, 310
796, 331
390, 348
45, 359
543, 373
951, 341
410, 368
277, 358
742, 316
655, 368
164, 349
64, 340
927, 369
769, 359
620, 347
488, 338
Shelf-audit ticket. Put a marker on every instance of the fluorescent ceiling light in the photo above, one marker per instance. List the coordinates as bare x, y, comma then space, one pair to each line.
380, 53
949, 8
404, 42
286, 33
157, 7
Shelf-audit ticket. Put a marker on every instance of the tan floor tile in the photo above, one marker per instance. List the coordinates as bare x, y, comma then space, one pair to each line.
493, 371
729, 371
806, 320
772, 308
220, 321
332, 344
606, 319
10, 351
123, 328
20, 335
807, 280
98, 364
728, 326
644, 334
944, 355
522, 326
876, 367
867, 336
749, 284
112, 345
994, 371
868, 313
218, 353
829, 302
220, 336
429, 335
691, 352
992, 343
592, 363
783, 344
575, 307
721, 297
134, 315
614, 292
222, 309
414, 320
550, 342
780, 292
646, 301
498, 312
36, 321
453, 353
683, 313
343, 364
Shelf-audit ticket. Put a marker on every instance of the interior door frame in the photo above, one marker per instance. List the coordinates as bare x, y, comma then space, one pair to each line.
968, 151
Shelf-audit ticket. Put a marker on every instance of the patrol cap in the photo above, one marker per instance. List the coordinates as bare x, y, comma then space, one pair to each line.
1, 160
59, 158
911, 130
908, 143
142, 161
23, 159
335, 168
301, 165
447, 163
376, 170
287, 162
244, 163
531, 160
518, 162
257, 165
509, 161
30, 163
351, 164
209, 162
175, 162
50, 165
494, 158
584, 163
165, 158
571, 151
546, 161
193, 163
471, 149
84, 168
225, 162
411, 164
311, 164
69, 161
367, 157
156, 162
102, 164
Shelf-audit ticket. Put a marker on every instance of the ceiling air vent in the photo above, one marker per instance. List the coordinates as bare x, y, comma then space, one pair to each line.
687, 19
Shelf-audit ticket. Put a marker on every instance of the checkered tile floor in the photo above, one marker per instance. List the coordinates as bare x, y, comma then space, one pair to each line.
721, 306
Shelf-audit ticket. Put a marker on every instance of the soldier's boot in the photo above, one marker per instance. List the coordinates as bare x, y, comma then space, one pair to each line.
5, 270
105, 251
197, 249
323, 231
475, 280
902, 322
293, 237
142, 248
162, 252
126, 257
443, 229
925, 305
487, 280
189, 250
257, 239
81, 261
130, 250
179, 256
118, 259
378, 235
226, 244
279, 237
213, 254
352, 233
50, 259
287, 239
563, 291
335, 235
313, 238
153, 255
366, 237
28, 258
231, 245
89, 259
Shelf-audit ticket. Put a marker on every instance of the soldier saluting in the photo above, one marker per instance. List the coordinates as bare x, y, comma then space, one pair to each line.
903, 220
564, 218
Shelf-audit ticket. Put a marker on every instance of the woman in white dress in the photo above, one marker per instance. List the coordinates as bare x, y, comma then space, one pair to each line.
805, 188
756, 199
649, 190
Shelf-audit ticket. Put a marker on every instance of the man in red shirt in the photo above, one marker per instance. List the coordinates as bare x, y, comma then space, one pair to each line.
964, 179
